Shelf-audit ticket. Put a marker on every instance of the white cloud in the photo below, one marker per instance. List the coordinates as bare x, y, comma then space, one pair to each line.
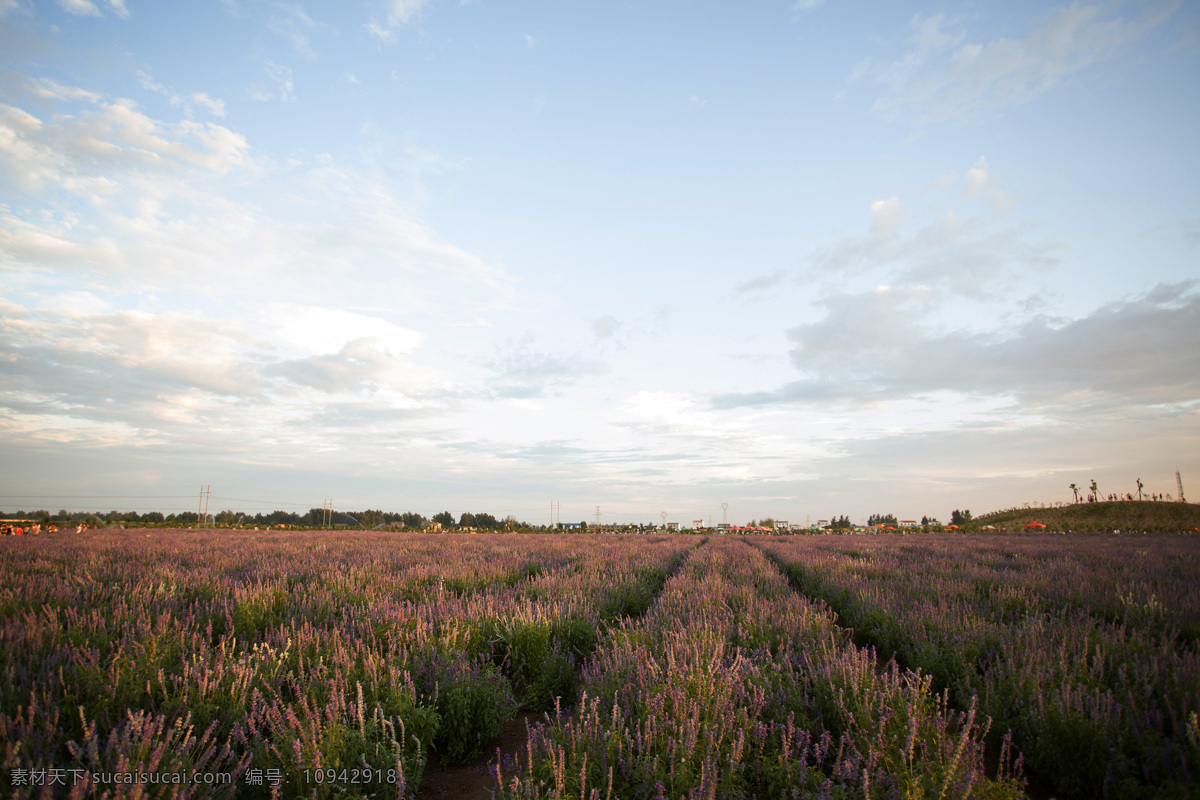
941, 182
943, 79
803, 6
761, 282
147, 81
888, 344
520, 369
530, 42
886, 215
51, 90
381, 33
604, 327
283, 80
398, 14
312, 330
258, 93
980, 181
82, 8
214, 106
83, 154
350, 78
292, 23
977, 177
966, 256
402, 12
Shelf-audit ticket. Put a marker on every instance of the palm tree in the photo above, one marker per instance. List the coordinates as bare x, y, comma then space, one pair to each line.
1095, 490
1075, 489
1139, 483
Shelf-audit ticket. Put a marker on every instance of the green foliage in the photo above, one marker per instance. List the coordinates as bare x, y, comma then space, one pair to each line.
1109, 515
473, 706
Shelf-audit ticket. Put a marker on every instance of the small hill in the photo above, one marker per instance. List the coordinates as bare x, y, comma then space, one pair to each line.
1124, 515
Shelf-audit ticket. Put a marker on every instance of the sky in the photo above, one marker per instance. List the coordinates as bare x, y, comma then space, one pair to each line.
805, 259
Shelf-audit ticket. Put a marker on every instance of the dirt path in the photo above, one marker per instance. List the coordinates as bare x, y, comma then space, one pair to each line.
477, 780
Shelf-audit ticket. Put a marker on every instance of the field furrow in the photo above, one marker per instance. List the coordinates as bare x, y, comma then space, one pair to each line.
1102, 703
287, 655
734, 686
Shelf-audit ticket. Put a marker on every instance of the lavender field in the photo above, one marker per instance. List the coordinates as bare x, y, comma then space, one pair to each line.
338, 664
1086, 648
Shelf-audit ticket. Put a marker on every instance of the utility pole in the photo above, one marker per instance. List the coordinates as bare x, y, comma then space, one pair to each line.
1179, 486
207, 492
725, 513
597, 516
664, 516
199, 505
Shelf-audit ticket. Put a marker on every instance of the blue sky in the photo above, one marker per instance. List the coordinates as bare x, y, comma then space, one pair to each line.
809, 259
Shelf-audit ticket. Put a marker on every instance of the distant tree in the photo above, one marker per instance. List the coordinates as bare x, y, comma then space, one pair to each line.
1075, 488
924, 520
446, 519
1139, 485
412, 520
153, 516
1095, 491
370, 518
767, 522
960, 518
882, 519
583, 526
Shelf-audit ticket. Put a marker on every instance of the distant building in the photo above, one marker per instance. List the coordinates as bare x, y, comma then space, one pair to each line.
909, 523
672, 526
822, 523
697, 524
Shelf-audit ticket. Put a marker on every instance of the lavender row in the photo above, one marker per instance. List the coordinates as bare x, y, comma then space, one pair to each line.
1102, 703
735, 686
283, 654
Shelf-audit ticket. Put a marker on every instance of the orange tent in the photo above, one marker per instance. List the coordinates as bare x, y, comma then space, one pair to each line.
951, 527
1035, 525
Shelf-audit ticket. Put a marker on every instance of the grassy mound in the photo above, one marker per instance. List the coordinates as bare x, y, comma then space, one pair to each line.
1123, 515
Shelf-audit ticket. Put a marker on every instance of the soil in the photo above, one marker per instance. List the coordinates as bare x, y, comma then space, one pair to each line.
477, 780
